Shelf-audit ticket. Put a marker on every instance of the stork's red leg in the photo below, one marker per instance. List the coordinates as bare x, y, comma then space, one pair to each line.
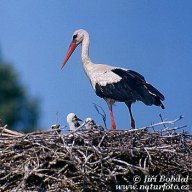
113, 126
130, 112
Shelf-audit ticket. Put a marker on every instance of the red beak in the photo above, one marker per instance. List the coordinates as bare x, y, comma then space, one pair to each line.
70, 50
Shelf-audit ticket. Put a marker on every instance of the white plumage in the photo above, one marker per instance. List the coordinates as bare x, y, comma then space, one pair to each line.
103, 75
89, 123
73, 121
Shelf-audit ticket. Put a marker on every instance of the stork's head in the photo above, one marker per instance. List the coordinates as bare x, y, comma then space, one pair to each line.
77, 38
89, 123
89, 120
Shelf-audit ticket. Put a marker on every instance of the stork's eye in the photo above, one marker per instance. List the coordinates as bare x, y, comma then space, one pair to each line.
74, 37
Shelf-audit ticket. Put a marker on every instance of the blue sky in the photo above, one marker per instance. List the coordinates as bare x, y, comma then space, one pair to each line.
153, 38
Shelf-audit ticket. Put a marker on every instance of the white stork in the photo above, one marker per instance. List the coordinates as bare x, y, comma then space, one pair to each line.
114, 83
73, 121
89, 123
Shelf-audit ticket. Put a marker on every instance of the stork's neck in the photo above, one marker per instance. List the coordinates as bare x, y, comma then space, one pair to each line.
85, 50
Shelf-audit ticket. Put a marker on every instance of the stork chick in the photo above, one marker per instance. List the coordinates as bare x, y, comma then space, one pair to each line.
89, 123
73, 121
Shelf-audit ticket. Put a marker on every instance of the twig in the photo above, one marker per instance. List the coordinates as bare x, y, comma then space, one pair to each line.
103, 114
162, 120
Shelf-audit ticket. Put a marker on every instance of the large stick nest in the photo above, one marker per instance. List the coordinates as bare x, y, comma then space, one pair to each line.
91, 160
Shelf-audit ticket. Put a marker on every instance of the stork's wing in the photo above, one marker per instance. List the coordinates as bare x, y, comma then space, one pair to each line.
130, 75
129, 86
135, 74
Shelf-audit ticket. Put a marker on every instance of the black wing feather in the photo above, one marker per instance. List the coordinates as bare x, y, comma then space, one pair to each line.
131, 87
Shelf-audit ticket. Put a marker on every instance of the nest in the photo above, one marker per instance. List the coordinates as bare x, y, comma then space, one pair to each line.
94, 159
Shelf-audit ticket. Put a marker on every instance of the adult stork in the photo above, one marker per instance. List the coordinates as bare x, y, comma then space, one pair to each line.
114, 83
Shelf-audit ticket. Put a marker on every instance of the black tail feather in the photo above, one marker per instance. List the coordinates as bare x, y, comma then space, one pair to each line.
155, 92
159, 103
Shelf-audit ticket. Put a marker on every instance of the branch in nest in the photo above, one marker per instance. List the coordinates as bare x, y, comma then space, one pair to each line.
103, 114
